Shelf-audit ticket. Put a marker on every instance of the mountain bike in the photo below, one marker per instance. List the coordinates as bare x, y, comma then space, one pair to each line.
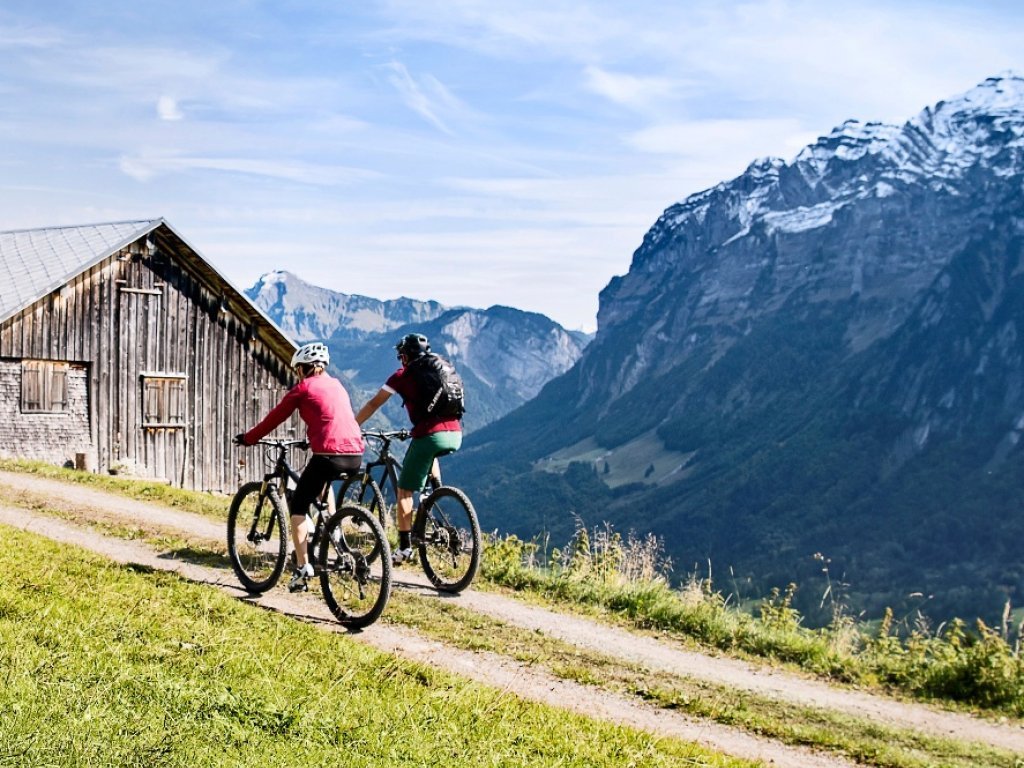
445, 529
344, 546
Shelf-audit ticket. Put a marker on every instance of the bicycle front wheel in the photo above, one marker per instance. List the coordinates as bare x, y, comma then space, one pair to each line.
257, 538
447, 534
355, 567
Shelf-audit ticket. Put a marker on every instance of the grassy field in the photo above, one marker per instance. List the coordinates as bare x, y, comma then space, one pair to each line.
114, 666
614, 579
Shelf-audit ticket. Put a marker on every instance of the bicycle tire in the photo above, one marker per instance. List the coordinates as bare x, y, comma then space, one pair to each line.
364, 492
257, 536
447, 534
356, 587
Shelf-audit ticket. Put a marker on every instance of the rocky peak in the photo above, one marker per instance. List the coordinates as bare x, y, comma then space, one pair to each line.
505, 354
305, 311
822, 355
722, 246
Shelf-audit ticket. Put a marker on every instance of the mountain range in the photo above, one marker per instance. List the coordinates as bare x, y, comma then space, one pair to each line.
811, 373
504, 355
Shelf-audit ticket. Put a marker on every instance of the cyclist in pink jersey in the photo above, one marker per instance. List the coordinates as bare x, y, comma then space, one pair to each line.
334, 438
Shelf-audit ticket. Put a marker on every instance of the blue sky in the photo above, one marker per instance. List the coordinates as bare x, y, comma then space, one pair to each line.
475, 152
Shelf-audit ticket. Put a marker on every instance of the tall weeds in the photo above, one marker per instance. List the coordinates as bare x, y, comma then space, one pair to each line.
630, 577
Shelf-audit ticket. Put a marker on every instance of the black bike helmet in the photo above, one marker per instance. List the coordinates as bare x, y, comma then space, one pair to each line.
413, 345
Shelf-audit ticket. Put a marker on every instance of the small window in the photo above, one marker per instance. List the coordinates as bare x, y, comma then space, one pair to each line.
163, 400
44, 386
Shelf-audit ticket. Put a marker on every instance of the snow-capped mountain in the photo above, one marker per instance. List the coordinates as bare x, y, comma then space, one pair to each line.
824, 355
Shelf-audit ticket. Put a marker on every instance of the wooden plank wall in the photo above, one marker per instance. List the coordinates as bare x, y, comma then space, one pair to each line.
139, 313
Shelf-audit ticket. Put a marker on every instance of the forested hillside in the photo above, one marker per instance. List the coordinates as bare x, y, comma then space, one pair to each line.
817, 364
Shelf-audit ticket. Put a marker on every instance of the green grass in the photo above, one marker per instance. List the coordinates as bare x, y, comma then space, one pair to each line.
109, 665
620, 581
869, 742
974, 667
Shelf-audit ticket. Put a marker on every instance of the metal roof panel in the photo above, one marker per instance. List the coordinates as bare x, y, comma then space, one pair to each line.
34, 262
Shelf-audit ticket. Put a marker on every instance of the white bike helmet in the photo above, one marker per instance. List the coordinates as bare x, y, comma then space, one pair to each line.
309, 354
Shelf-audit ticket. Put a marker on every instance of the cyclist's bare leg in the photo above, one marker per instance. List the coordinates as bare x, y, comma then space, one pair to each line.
435, 470
404, 507
300, 535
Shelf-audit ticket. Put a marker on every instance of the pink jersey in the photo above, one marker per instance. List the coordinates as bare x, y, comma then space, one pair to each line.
324, 405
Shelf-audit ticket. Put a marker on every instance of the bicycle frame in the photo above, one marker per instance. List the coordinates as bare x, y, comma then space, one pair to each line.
282, 471
392, 467
347, 546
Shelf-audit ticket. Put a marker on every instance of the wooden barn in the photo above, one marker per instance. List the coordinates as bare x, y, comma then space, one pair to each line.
123, 350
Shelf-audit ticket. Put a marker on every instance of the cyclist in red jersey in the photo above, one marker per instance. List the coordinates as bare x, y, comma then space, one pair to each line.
432, 436
334, 438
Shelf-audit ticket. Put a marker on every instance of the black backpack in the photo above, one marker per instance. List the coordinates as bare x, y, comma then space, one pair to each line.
438, 387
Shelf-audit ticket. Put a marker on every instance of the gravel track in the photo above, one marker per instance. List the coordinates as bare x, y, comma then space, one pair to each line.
508, 675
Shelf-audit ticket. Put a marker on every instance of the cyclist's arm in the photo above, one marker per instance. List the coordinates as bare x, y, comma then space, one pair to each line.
275, 418
372, 405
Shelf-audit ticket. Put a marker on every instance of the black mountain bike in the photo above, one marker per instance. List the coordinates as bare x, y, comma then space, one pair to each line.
445, 529
344, 546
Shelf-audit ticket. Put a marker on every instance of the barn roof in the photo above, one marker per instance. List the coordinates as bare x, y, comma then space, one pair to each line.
36, 262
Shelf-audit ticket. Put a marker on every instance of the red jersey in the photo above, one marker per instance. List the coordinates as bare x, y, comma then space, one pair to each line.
324, 405
403, 383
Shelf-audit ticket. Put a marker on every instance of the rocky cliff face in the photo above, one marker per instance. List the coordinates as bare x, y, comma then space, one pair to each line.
870, 212
505, 355
805, 357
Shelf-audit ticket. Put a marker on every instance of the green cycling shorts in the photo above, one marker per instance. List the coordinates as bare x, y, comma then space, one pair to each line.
420, 457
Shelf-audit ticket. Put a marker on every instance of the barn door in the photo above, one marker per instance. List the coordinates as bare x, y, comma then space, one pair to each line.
151, 428
164, 406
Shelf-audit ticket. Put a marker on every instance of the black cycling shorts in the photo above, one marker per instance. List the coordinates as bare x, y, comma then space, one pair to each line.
320, 470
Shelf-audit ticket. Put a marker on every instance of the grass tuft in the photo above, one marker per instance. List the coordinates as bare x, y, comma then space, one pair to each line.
979, 668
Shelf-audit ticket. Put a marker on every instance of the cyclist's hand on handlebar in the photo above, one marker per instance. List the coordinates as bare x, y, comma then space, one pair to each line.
239, 439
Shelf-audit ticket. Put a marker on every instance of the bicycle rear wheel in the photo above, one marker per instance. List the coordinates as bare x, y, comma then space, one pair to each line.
257, 539
364, 492
447, 533
355, 567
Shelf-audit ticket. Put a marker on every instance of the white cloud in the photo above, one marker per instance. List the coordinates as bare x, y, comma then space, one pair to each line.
167, 109
629, 90
749, 138
144, 167
416, 96
26, 39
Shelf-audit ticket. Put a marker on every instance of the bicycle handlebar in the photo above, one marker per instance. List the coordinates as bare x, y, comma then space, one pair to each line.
271, 443
380, 434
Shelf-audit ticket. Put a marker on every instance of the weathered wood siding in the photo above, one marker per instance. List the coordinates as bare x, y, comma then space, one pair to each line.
172, 374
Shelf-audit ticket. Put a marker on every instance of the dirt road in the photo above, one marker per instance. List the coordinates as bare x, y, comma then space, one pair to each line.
491, 669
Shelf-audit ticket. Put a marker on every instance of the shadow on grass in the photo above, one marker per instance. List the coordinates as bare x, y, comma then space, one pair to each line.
197, 556
219, 562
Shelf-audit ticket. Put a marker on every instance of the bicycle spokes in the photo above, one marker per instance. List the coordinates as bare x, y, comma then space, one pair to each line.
355, 567
257, 541
444, 537
448, 537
